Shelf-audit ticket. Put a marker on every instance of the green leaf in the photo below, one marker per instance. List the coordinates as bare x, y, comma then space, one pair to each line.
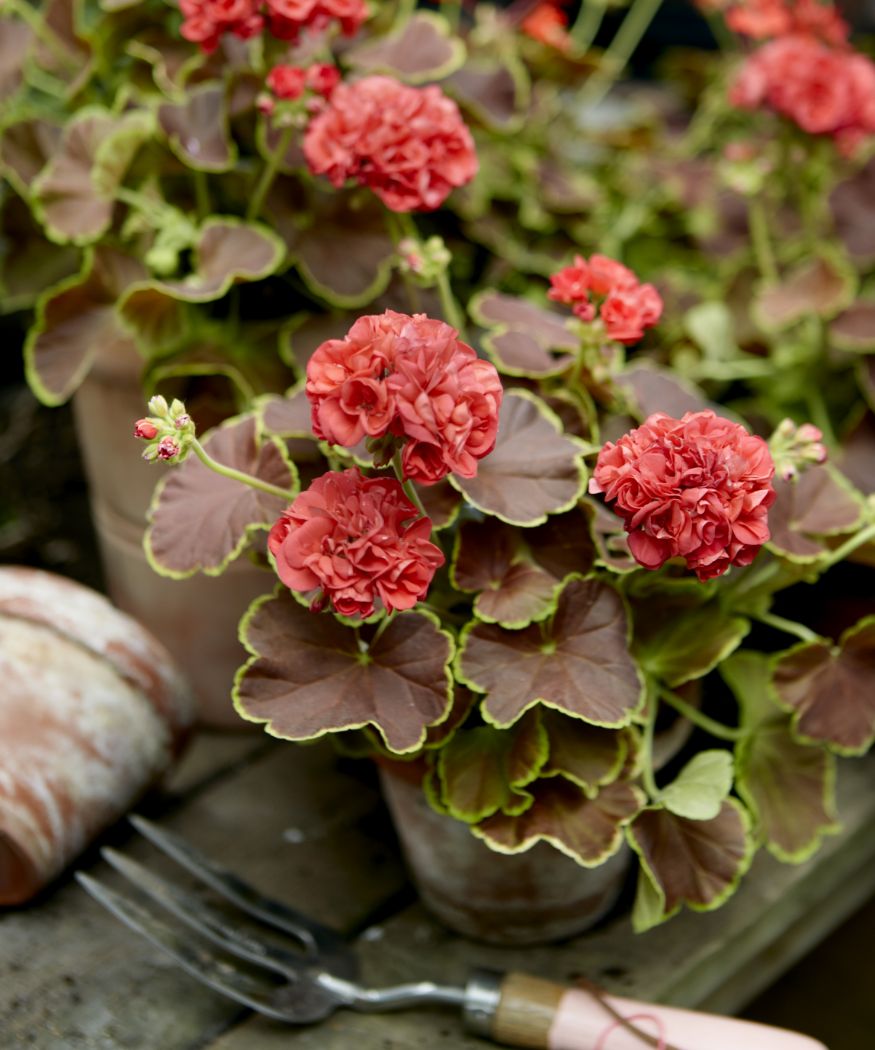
309, 676
578, 662
694, 862
424, 50
589, 830
700, 788
711, 327
533, 471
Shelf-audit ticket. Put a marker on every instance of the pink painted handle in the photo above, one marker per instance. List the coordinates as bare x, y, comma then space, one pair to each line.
584, 1021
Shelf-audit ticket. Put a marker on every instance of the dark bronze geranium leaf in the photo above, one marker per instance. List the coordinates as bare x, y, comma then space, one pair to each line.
655, 389
694, 862
197, 129
478, 769
494, 91
578, 662
534, 469
819, 503
589, 756
75, 321
851, 206
829, 689
518, 574
440, 502
588, 829
15, 39
423, 51
30, 263
822, 286
201, 520
25, 148
309, 676
855, 328
288, 416
523, 337
610, 537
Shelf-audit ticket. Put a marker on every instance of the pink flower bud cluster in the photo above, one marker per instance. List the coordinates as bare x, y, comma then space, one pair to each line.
289, 83
412, 380
169, 430
408, 145
357, 540
627, 307
206, 21
697, 488
796, 448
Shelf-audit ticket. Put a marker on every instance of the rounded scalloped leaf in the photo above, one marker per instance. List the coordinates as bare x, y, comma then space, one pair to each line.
533, 471
497, 92
26, 146
821, 286
75, 320
610, 537
655, 389
821, 502
694, 862
479, 769
789, 788
701, 787
30, 263
197, 129
523, 336
855, 328
830, 690
200, 520
441, 503
15, 40
288, 416
589, 830
424, 50
577, 662
309, 676
587, 755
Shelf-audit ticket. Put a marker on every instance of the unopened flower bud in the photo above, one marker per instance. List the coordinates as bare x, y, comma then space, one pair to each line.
809, 432
265, 104
795, 448
318, 603
158, 406
145, 429
182, 421
168, 448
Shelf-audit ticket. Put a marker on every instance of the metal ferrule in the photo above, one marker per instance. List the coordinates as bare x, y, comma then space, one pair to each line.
482, 996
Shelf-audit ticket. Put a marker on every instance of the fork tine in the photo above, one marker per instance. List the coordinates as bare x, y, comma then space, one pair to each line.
319, 942
201, 917
207, 968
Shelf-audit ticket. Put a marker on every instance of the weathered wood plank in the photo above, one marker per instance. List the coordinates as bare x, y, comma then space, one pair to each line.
290, 821
717, 961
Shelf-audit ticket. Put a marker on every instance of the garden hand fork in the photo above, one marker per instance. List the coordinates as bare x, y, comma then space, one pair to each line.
318, 975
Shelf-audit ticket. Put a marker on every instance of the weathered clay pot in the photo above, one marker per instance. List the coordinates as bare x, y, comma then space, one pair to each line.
195, 618
92, 711
524, 898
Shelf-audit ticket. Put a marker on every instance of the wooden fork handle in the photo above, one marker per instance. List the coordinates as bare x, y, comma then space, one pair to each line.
516, 1010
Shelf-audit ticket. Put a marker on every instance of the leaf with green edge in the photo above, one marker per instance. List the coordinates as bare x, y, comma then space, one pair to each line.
533, 471
519, 574
822, 286
588, 756
440, 502
578, 662
197, 129
610, 537
345, 254
495, 92
26, 146
199, 520
479, 768
866, 379
858, 455
15, 40
655, 389
304, 333
701, 787
28, 262
523, 337
70, 204
463, 703
680, 637
308, 675
288, 416
589, 830
155, 319
829, 689
170, 58
748, 674
851, 206
821, 502
75, 320
694, 862
854, 329
424, 50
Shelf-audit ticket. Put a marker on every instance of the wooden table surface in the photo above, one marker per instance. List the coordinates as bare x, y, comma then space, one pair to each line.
312, 831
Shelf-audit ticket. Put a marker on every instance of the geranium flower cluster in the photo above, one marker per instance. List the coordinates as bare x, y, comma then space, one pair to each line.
547, 24
767, 19
355, 540
206, 21
409, 145
627, 307
698, 488
411, 380
290, 82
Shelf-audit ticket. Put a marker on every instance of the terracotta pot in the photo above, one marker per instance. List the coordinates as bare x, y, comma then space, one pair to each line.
524, 898
196, 618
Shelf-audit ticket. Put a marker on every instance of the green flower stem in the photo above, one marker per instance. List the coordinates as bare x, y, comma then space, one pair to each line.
268, 174
743, 581
760, 240
588, 22
717, 729
452, 311
397, 236
647, 776
202, 195
403, 13
239, 475
849, 546
614, 60
381, 627
721, 32
787, 626
42, 31
407, 484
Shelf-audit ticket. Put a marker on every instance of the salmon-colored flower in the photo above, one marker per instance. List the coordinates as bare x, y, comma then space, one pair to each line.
547, 24
356, 540
206, 21
323, 78
287, 18
769, 19
286, 82
698, 488
627, 312
407, 144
